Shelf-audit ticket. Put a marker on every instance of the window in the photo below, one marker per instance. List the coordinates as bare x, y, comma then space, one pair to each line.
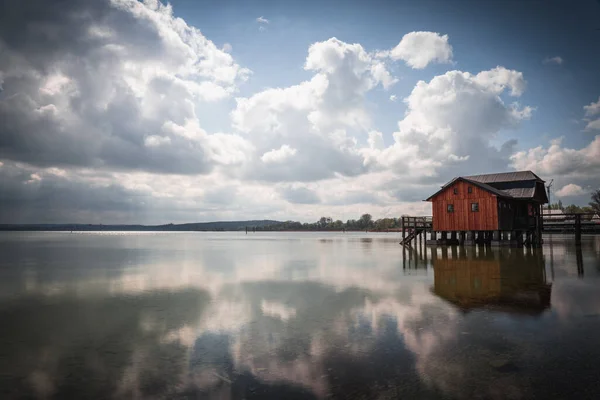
474, 207
455, 190
470, 189
450, 208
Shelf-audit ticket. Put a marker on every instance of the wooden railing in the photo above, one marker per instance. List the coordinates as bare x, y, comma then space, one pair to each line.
407, 222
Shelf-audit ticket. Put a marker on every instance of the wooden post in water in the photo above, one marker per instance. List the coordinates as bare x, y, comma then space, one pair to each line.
403, 230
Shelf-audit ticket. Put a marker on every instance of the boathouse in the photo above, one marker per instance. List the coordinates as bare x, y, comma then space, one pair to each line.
488, 208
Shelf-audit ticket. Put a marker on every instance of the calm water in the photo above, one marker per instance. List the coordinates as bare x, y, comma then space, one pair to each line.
294, 315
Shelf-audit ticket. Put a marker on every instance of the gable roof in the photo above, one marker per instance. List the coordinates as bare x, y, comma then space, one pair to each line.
509, 185
506, 177
484, 186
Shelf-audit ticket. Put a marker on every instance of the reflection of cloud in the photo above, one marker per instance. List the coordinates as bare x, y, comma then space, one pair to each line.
277, 310
174, 260
96, 347
288, 316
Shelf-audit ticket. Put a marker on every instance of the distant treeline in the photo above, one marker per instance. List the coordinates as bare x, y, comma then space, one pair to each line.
365, 222
200, 226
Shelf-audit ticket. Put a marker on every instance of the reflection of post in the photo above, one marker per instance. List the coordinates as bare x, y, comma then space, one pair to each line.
579, 257
551, 259
578, 229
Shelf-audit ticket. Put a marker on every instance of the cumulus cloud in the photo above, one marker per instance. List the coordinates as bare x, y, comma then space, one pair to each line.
452, 119
570, 190
553, 60
315, 119
278, 155
557, 160
262, 20
419, 49
103, 87
299, 195
591, 110
393, 97
593, 125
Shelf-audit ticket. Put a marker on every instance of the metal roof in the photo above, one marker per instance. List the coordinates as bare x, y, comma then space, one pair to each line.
506, 177
520, 193
526, 190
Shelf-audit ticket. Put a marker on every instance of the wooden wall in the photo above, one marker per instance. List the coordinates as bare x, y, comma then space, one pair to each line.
463, 219
467, 282
516, 278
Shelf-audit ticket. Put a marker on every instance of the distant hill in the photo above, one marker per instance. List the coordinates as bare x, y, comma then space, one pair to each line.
195, 226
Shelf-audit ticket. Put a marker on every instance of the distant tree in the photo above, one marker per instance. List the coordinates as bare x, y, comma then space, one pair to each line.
595, 203
366, 220
322, 222
572, 209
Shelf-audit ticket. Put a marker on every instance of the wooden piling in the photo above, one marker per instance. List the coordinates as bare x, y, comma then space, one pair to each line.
578, 229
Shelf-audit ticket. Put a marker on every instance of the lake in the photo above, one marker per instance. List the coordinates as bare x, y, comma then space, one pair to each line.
102, 315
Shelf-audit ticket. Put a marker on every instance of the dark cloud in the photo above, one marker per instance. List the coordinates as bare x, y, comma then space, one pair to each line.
75, 92
29, 197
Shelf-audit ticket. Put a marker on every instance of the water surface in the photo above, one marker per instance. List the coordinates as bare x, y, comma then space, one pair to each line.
294, 315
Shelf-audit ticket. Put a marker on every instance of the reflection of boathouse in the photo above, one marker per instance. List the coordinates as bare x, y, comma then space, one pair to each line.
511, 280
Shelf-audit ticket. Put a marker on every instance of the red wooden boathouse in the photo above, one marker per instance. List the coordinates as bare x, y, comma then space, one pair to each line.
485, 208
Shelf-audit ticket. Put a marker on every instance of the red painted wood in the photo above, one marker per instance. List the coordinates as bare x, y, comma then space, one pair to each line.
463, 219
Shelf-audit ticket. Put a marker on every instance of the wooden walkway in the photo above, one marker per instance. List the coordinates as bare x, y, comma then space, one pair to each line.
416, 228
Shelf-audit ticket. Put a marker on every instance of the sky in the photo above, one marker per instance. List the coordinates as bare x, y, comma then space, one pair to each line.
127, 111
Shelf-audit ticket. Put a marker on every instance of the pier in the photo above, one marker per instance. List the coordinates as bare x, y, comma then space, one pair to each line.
417, 230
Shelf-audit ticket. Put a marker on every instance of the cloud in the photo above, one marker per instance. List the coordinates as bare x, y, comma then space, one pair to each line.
451, 119
227, 47
262, 20
570, 190
559, 161
592, 108
105, 87
299, 195
419, 49
278, 155
553, 60
315, 118
593, 125
393, 97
